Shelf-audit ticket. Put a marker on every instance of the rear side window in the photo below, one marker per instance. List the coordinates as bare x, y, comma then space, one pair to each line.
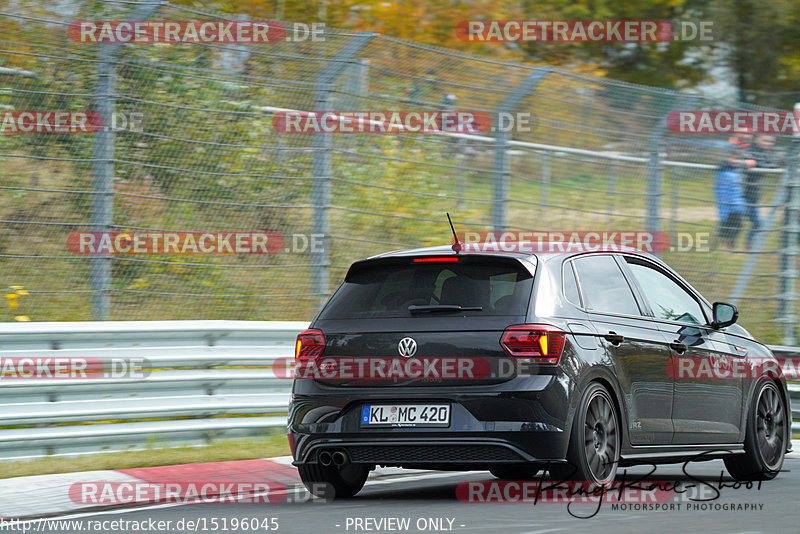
388, 290
571, 285
603, 286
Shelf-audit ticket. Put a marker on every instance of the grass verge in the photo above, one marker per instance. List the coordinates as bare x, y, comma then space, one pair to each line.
272, 445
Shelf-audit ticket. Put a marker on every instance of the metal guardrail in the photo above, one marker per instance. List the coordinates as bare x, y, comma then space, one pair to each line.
794, 394
782, 352
207, 377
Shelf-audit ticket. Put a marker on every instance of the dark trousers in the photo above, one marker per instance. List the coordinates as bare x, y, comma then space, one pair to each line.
729, 228
751, 212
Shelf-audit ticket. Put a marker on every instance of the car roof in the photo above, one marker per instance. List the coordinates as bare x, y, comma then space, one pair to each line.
442, 250
447, 250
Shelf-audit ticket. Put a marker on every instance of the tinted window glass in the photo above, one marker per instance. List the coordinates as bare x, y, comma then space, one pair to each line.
667, 298
604, 287
388, 290
571, 285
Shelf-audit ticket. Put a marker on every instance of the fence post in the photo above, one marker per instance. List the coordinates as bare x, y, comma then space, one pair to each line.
654, 189
676, 174
103, 170
545, 177
612, 189
791, 232
502, 171
103, 165
321, 162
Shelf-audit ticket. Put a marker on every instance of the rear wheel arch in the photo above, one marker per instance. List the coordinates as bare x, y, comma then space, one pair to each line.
615, 399
605, 379
581, 456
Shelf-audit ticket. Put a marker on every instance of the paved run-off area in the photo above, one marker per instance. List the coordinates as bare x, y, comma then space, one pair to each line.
265, 495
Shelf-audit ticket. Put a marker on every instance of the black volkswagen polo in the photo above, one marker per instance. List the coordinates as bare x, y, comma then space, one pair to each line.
516, 362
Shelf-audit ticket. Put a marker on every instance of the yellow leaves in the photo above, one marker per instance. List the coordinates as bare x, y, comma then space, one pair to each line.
13, 300
138, 283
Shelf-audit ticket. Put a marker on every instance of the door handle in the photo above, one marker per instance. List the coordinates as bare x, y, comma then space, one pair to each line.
614, 338
680, 348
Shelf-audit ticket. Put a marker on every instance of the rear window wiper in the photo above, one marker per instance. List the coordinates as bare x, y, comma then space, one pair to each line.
414, 309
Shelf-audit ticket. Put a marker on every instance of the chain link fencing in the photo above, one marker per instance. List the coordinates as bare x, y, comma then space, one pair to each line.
208, 158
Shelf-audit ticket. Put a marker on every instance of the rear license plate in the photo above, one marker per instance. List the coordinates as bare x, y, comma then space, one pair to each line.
405, 415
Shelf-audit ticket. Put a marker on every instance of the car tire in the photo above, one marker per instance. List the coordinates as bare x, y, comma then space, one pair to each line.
594, 443
515, 471
765, 436
332, 482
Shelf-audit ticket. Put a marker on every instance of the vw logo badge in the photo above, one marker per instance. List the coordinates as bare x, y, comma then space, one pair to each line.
407, 347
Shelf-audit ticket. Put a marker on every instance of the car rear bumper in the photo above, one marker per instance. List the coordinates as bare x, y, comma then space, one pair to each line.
436, 451
487, 427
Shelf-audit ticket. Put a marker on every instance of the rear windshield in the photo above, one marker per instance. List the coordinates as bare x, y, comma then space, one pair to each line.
389, 290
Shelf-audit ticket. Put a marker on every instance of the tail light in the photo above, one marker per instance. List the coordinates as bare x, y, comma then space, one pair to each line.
310, 345
290, 438
430, 259
537, 344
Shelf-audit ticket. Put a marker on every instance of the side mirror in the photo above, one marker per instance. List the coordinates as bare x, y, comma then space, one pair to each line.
724, 315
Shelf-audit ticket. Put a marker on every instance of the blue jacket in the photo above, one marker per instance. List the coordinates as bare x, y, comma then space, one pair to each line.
729, 192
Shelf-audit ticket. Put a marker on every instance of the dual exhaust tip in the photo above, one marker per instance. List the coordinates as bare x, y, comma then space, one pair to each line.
336, 457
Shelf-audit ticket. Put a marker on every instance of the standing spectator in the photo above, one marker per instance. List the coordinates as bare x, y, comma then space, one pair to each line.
762, 153
728, 188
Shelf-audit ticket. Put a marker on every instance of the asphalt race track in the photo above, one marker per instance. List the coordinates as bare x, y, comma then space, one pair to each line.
428, 503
